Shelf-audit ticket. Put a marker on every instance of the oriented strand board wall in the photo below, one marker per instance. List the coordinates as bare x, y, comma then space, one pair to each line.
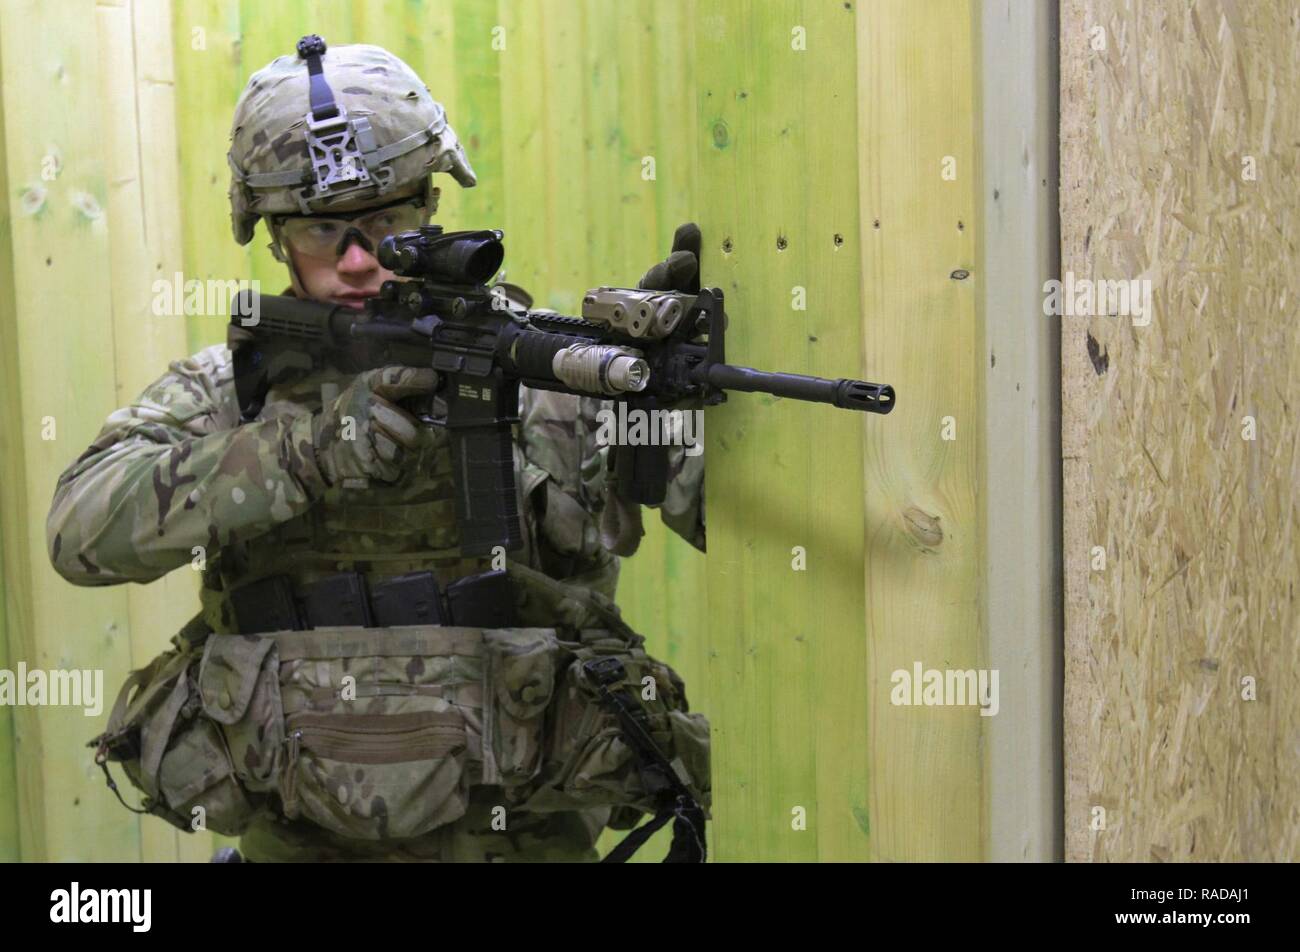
1180, 164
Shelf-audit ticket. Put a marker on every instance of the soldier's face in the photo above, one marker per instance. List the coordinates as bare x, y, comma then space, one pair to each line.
334, 257
348, 279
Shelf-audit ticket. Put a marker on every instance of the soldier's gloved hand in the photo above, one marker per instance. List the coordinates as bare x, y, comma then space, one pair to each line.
621, 527
680, 271
362, 433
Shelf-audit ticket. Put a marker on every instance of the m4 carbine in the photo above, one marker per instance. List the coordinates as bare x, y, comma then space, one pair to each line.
649, 349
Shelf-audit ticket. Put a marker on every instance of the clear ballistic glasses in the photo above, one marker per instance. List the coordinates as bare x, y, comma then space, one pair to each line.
327, 237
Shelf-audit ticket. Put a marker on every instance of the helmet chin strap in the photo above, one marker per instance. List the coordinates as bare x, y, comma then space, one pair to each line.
284, 257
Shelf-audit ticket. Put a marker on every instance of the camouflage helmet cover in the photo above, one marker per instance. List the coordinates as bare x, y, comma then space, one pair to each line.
388, 135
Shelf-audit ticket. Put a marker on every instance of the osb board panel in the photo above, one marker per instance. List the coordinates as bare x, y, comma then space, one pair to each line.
1160, 126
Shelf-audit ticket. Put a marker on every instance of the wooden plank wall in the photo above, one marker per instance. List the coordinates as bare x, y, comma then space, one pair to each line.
88, 122
1181, 436
807, 137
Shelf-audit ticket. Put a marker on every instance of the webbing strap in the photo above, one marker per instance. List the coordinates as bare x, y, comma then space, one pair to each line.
677, 802
688, 834
376, 157
311, 48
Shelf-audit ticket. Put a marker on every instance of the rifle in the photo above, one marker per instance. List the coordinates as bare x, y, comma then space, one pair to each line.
649, 349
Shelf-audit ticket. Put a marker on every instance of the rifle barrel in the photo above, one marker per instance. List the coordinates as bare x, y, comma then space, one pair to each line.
844, 393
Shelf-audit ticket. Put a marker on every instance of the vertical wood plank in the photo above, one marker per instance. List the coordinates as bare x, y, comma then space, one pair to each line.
524, 113
563, 131
924, 564
10, 847
1018, 252
136, 83
50, 60
210, 71
603, 72
477, 118
1181, 430
777, 165
662, 589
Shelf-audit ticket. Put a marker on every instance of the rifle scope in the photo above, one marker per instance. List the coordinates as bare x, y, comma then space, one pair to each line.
457, 257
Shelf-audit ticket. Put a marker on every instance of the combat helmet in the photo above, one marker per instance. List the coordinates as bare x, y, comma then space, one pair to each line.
336, 130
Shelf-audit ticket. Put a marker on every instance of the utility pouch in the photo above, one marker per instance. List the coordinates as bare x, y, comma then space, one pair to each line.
553, 744
176, 723
378, 727
591, 760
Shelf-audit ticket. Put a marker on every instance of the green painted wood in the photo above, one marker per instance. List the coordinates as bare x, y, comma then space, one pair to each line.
786, 682
662, 587
61, 267
210, 74
523, 152
477, 118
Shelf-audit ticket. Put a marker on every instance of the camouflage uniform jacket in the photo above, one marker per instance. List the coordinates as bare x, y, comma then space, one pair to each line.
175, 479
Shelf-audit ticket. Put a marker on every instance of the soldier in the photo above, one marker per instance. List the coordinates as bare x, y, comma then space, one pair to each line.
329, 520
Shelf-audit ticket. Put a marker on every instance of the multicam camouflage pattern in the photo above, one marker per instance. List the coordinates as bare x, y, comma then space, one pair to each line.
174, 479
477, 837
268, 134
361, 434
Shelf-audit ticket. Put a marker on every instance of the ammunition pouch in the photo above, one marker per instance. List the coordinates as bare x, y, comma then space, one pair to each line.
486, 600
177, 721
379, 733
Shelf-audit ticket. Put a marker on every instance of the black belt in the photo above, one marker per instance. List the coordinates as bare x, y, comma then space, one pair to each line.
486, 600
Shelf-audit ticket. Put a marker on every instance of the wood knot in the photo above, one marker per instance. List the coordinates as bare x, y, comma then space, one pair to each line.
924, 527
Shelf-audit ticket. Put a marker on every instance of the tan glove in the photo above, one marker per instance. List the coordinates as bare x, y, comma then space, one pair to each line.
361, 434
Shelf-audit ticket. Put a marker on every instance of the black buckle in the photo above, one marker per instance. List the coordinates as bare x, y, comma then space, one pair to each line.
605, 671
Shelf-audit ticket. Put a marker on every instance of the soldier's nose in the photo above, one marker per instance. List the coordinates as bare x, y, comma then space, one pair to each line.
356, 260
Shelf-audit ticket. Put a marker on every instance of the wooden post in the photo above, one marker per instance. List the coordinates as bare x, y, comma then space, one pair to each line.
919, 173
1018, 252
